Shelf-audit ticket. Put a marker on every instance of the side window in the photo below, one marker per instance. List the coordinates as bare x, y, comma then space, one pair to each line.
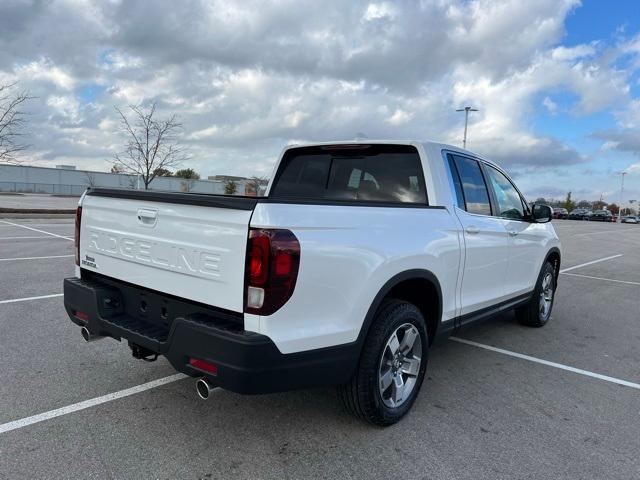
509, 200
456, 182
474, 189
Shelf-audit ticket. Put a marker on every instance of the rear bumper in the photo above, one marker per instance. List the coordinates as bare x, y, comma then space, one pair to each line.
247, 362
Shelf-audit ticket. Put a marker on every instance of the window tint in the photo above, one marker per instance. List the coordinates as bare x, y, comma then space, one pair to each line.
509, 200
474, 190
307, 174
456, 182
368, 173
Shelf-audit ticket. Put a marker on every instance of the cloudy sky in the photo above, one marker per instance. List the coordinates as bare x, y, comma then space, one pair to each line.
557, 82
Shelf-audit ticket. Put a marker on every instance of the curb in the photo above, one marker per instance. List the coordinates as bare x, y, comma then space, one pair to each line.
37, 215
45, 211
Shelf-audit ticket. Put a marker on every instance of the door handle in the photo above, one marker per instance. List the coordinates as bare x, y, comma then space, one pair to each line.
513, 233
147, 217
472, 229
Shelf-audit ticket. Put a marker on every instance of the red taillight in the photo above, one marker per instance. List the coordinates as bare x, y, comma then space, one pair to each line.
258, 259
204, 366
273, 258
77, 234
283, 263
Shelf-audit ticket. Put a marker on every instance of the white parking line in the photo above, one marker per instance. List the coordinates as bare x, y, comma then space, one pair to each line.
625, 230
601, 278
34, 258
41, 417
548, 363
44, 225
36, 230
590, 263
23, 238
26, 299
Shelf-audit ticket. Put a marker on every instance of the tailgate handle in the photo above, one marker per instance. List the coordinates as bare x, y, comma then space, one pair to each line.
147, 216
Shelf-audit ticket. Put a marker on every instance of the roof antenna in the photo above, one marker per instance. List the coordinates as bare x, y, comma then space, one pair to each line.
360, 136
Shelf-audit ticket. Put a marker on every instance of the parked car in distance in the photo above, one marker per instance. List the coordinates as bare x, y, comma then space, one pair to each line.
579, 214
601, 216
358, 256
560, 213
630, 219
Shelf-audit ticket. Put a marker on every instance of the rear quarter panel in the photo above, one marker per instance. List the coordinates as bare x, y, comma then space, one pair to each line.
347, 254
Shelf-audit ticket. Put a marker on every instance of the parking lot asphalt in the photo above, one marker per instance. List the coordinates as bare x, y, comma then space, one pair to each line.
480, 413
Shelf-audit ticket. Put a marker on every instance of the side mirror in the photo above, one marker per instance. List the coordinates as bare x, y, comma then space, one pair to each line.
541, 213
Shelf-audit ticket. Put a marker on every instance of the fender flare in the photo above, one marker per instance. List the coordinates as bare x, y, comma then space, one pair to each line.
416, 273
546, 259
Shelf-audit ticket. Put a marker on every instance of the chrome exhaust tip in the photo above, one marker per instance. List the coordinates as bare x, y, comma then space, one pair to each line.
88, 336
204, 388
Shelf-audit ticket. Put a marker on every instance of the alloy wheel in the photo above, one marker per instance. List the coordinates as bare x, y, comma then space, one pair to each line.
400, 365
546, 296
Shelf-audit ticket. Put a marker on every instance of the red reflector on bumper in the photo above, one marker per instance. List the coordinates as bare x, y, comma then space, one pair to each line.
204, 366
81, 315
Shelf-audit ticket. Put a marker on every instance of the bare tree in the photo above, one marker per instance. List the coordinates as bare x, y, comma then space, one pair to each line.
12, 123
255, 184
90, 179
151, 146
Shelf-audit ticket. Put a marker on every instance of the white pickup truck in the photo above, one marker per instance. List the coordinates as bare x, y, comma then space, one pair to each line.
358, 257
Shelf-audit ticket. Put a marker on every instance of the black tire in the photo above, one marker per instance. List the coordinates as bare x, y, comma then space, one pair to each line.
361, 396
532, 314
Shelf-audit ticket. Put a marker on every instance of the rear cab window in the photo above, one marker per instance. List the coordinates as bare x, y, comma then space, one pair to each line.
357, 174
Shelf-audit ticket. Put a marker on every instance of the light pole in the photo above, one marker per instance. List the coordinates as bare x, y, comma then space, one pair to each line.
622, 174
466, 111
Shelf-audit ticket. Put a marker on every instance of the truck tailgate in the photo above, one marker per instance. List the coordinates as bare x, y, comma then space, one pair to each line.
193, 251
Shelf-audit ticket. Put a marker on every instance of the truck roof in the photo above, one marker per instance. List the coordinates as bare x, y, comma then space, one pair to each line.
364, 141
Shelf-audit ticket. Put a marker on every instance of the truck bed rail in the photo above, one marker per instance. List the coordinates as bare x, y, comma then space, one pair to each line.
200, 199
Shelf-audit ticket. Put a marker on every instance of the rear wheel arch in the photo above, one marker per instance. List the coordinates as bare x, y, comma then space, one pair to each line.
553, 256
417, 286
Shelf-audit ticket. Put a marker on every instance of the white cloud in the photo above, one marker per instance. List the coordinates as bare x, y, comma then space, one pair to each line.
573, 53
204, 133
245, 78
44, 69
294, 119
550, 105
399, 117
634, 168
65, 105
376, 11
629, 118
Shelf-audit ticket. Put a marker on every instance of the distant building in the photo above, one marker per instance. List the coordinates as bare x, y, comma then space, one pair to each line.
226, 178
69, 181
